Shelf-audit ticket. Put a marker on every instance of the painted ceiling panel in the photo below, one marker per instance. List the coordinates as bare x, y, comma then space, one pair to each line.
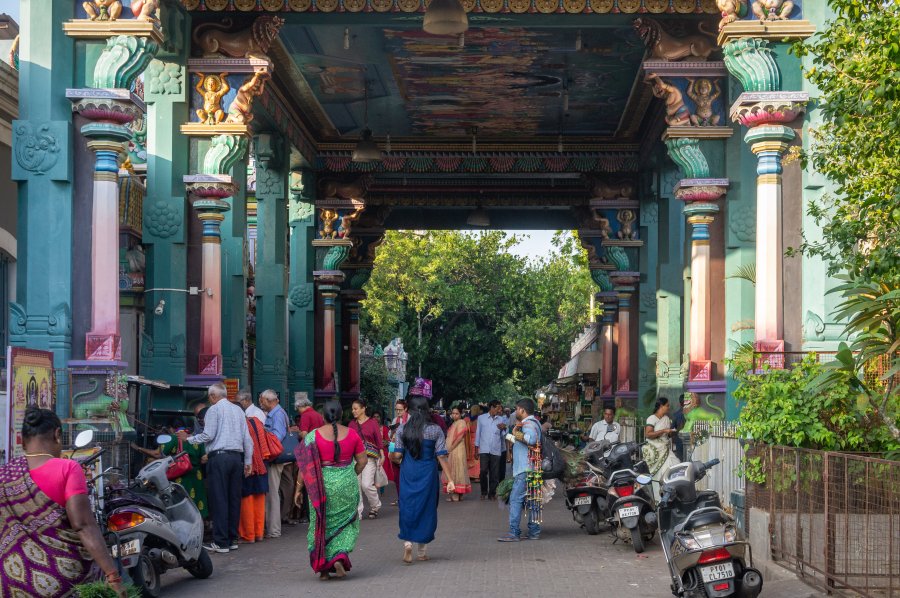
507, 82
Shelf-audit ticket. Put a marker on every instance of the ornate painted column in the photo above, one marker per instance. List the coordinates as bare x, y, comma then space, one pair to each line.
766, 111
301, 304
352, 299
328, 285
609, 303
270, 366
700, 215
211, 189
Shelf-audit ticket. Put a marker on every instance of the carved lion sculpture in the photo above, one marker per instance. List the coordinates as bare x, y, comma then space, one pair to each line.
213, 39
332, 188
664, 46
603, 190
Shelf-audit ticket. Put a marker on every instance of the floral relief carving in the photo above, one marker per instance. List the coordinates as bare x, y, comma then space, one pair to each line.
162, 219
742, 222
36, 147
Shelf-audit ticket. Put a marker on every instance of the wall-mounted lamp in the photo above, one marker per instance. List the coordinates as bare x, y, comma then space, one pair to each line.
160, 307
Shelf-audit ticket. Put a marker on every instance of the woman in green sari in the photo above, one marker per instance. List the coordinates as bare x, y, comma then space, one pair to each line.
192, 481
329, 459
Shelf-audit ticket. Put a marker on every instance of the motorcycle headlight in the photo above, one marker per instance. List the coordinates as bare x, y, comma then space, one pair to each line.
688, 541
730, 533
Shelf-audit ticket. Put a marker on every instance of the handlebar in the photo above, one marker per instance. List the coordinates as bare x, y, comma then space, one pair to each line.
711, 463
90, 460
177, 456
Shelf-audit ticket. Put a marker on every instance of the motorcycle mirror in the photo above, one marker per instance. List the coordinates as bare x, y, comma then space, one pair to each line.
644, 479
163, 438
84, 438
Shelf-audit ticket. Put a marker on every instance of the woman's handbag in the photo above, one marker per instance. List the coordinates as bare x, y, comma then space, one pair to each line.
181, 466
372, 451
288, 445
381, 479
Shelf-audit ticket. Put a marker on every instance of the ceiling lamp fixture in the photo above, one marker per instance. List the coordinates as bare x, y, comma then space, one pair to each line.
461, 41
559, 144
387, 143
479, 217
474, 132
445, 17
578, 42
565, 100
346, 38
366, 149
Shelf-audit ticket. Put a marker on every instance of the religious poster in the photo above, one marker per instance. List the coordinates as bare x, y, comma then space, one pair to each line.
232, 386
29, 381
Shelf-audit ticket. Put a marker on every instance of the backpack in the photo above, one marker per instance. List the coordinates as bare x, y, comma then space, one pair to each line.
553, 464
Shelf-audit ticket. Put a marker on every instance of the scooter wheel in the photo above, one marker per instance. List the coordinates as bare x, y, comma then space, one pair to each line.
592, 523
637, 540
146, 577
203, 567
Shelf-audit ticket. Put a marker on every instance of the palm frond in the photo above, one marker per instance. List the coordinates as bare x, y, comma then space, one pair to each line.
745, 272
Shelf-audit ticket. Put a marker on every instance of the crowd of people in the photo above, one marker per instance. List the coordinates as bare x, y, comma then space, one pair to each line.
253, 471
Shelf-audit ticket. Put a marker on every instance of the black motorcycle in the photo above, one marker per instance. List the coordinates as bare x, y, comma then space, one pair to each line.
706, 554
629, 495
586, 497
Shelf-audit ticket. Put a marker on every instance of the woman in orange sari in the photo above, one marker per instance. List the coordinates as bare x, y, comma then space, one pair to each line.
472, 460
457, 447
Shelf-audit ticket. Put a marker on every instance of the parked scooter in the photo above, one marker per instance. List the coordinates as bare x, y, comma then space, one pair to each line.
630, 497
158, 527
586, 498
706, 554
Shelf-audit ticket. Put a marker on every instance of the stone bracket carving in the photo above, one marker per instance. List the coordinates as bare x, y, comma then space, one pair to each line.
124, 58
224, 152
40, 150
750, 60
685, 152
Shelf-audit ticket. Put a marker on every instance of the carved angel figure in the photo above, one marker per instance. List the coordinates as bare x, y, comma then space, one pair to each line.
704, 94
103, 10
212, 88
732, 10
240, 110
676, 112
328, 217
773, 10
626, 219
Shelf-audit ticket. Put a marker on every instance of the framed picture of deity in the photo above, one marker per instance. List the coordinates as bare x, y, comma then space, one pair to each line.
29, 381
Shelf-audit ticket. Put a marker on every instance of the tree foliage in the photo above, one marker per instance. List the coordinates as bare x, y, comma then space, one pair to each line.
488, 318
856, 66
374, 386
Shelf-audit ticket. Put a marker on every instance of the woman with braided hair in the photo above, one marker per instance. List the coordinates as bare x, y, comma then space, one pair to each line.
329, 459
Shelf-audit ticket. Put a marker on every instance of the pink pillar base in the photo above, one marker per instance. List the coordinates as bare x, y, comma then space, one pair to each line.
102, 347
210, 365
700, 371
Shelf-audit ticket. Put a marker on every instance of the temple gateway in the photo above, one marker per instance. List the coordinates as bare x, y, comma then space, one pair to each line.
203, 184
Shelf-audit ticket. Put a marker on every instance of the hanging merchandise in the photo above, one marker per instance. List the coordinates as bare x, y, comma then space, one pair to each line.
534, 480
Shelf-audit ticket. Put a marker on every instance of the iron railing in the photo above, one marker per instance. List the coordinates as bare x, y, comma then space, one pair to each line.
717, 439
833, 517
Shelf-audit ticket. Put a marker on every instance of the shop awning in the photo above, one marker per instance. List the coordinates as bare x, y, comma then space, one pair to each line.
585, 363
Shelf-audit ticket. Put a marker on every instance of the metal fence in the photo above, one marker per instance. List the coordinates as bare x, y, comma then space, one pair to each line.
717, 439
833, 517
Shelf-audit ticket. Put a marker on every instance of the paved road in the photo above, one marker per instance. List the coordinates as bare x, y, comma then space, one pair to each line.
466, 560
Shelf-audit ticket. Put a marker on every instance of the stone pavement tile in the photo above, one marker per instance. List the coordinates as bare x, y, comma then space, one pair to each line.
466, 560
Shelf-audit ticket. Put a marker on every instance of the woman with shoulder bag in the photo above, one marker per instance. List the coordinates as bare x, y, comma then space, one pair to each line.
370, 432
252, 524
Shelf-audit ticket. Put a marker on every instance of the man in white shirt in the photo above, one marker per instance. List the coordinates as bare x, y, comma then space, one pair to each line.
607, 428
245, 400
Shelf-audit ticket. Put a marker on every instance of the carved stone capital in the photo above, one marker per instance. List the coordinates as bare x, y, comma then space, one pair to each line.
206, 186
702, 190
766, 108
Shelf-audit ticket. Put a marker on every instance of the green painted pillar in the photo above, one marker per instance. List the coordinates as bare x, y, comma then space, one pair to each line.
234, 279
301, 304
670, 285
42, 166
648, 344
165, 231
270, 364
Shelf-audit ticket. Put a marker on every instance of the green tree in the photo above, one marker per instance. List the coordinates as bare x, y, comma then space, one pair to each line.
485, 316
374, 386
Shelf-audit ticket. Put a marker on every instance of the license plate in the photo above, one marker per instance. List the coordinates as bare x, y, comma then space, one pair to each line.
629, 512
717, 572
128, 548
581, 501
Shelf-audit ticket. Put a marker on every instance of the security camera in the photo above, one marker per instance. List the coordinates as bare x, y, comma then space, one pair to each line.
160, 307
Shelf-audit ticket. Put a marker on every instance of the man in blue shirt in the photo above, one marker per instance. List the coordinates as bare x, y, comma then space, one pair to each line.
277, 423
525, 435
489, 446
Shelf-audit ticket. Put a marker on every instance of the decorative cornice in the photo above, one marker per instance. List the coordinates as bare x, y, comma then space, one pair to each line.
686, 68
87, 29
226, 64
204, 130
775, 31
99, 95
753, 109
485, 163
697, 132
531, 7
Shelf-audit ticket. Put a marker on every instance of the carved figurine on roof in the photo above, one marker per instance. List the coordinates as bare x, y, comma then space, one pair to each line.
214, 39
665, 46
212, 88
103, 10
773, 10
732, 10
704, 92
240, 110
145, 10
677, 114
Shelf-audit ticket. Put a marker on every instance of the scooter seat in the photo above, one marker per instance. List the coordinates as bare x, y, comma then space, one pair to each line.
710, 517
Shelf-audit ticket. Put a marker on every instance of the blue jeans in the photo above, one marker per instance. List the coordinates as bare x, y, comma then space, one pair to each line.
516, 506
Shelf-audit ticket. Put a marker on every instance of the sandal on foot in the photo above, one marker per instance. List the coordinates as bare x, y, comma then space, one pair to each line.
372, 515
339, 570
